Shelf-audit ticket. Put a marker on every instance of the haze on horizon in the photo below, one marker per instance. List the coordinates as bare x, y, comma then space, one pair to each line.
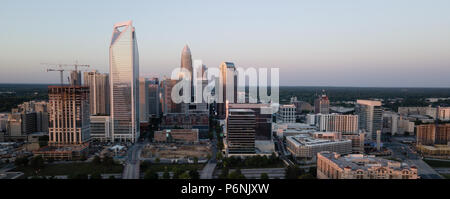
358, 43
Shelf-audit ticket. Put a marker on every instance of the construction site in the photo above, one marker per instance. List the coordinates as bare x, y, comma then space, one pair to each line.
178, 152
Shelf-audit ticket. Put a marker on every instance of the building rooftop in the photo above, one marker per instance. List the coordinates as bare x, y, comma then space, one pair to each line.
363, 162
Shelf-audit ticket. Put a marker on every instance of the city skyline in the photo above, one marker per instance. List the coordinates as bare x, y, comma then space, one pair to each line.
351, 43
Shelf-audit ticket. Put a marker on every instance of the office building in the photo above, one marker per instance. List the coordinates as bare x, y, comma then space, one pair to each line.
124, 83
301, 106
322, 104
370, 117
154, 105
144, 100
168, 106
286, 113
331, 165
263, 119
100, 128
307, 147
240, 132
227, 84
99, 92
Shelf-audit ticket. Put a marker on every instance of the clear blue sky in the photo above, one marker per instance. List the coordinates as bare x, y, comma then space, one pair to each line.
323, 43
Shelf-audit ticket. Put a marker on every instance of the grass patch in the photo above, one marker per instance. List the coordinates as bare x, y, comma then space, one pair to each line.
437, 163
71, 169
446, 176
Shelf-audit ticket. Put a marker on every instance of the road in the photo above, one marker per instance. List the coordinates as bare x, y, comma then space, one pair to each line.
132, 164
208, 170
406, 154
282, 152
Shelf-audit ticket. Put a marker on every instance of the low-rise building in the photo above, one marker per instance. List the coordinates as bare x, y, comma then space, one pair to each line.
307, 147
332, 165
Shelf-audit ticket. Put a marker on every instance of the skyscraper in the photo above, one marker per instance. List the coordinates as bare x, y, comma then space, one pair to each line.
370, 117
227, 83
153, 97
124, 83
168, 106
99, 92
143, 99
186, 63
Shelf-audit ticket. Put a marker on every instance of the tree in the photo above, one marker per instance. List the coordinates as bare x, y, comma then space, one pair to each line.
37, 163
184, 175
194, 174
112, 177
306, 176
157, 160
293, 172
21, 161
264, 176
166, 175
236, 174
195, 160
96, 175
150, 174
219, 156
96, 160
225, 173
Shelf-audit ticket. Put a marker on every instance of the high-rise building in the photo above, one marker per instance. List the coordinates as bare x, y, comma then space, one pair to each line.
322, 104
69, 115
99, 92
338, 123
75, 78
154, 108
186, 63
431, 134
144, 105
286, 113
240, 132
168, 106
370, 117
124, 83
263, 119
227, 84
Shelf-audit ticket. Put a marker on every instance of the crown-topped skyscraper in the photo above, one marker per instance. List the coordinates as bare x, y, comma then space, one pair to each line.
124, 83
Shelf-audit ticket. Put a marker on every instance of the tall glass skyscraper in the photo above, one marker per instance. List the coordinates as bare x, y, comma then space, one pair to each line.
124, 83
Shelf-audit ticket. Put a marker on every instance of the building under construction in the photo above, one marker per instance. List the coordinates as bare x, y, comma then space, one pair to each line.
69, 118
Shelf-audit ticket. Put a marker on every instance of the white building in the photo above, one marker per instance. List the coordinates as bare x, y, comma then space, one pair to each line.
100, 128
286, 114
304, 146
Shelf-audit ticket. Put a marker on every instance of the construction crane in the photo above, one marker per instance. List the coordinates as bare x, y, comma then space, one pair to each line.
59, 68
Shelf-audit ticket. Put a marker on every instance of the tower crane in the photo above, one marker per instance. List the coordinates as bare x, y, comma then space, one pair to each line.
60, 69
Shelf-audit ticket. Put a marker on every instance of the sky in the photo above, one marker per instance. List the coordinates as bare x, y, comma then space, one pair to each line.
368, 43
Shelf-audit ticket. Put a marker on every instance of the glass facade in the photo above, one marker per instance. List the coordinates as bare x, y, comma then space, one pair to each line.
124, 83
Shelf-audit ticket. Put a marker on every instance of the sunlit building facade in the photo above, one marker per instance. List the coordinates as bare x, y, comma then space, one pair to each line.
124, 83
